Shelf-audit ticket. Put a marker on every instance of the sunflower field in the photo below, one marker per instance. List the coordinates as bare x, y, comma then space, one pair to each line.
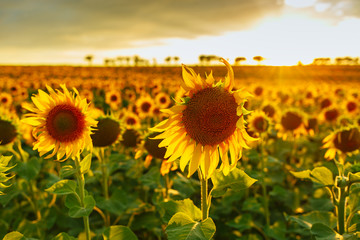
180, 153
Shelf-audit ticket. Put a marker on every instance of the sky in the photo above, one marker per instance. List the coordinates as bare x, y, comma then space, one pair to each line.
282, 31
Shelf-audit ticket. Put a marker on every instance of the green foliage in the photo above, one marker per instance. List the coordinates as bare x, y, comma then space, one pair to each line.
321, 175
236, 180
75, 209
119, 233
186, 206
182, 227
309, 219
63, 187
63, 236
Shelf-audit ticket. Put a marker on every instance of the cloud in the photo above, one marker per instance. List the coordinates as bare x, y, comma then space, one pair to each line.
111, 24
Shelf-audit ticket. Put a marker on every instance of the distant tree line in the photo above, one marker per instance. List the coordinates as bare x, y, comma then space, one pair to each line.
336, 61
207, 60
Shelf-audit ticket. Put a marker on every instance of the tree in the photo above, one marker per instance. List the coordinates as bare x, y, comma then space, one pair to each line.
168, 60
89, 59
176, 60
258, 59
238, 60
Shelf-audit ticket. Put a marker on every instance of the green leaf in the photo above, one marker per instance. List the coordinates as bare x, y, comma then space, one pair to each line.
322, 232
78, 211
14, 236
236, 180
28, 170
323, 175
182, 227
308, 219
242, 222
186, 206
119, 233
85, 164
354, 177
63, 236
320, 175
66, 171
62, 187
354, 198
351, 236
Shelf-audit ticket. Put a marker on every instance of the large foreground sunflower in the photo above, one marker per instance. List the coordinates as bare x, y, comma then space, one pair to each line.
207, 125
61, 123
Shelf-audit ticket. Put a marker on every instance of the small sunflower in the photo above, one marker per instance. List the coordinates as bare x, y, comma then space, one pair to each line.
113, 98
258, 123
144, 106
207, 125
151, 148
61, 123
131, 120
344, 141
292, 123
9, 128
162, 100
107, 132
270, 109
6, 99
131, 138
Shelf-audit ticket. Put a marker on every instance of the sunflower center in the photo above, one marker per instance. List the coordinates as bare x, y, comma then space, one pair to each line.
312, 123
210, 116
4, 100
106, 133
348, 140
260, 124
351, 106
113, 98
145, 107
331, 115
7, 132
65, 123
163, 100
258, 91
325, 103
130, 121
151, 145
131, 138
291, 121
269, 110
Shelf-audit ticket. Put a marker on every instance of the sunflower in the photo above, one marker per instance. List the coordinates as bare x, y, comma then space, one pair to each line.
131, 138
113, 98
9, 129
207, 125
162, 100
107, 132
151, 148
131, 120
270, 110
61, 123
258, 123
344, 141
144, 106
6, 99
292, 123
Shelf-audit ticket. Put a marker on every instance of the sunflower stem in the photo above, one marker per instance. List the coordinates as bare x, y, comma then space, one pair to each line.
81, 182
105, 179
204, 197
263, 185
341, 211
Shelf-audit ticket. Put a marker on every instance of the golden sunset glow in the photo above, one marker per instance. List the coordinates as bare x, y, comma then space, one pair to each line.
283, 33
